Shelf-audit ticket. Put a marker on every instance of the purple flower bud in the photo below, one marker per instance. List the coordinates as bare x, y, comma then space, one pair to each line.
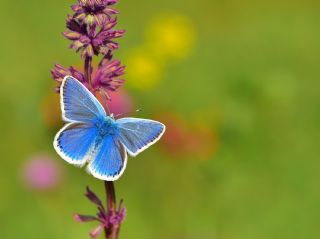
72, 35
73, 25
107, 76
96, 232
89, 42
110, 24
101, 19
112, 218
94, 11
76, 8
112, 45
85, 40
59, 72
77, 74
84, 218
118, 217
93, 198
110, 11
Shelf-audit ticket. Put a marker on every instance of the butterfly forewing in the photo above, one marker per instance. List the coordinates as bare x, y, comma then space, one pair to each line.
138, 134
78, 104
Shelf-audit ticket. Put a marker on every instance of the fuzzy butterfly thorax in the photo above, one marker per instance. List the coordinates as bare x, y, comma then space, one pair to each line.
106, 126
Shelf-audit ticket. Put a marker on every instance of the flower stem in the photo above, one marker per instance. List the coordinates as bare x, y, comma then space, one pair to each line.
87, 70
111, 232
111, 196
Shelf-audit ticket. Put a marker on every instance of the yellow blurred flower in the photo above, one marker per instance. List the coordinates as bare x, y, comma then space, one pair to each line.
143, 70
168, 37
171, 35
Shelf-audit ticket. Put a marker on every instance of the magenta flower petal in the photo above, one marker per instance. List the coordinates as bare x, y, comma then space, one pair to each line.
96, 232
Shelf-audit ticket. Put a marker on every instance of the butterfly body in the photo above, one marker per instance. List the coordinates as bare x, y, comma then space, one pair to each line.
106, 126
94, 138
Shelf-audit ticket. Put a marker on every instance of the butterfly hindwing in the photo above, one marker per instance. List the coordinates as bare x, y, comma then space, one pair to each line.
74, 141
138, 134
110, 159
78, 104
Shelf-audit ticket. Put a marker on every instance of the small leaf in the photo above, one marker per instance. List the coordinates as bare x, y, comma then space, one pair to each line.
84, 218
93, 198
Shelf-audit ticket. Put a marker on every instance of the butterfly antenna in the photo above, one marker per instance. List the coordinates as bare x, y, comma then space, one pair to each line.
138, 110
108, 109
106, 97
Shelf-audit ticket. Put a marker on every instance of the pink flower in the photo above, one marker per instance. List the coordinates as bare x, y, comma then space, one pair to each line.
120, 103
41, 172
108, 76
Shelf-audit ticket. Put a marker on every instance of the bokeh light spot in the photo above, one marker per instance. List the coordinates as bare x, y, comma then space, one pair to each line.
41, 172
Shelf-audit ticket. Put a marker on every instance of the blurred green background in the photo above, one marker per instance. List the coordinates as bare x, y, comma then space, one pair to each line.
236, 82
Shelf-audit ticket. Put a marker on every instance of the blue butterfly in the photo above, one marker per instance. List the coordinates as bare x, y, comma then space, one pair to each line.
91, 136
